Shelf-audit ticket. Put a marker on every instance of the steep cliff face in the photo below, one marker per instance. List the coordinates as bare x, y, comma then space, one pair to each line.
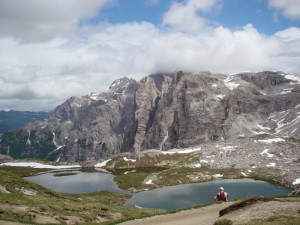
163, 111
148, 97
97, 125
189, 113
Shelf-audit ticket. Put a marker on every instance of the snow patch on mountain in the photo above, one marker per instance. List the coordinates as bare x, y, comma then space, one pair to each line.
93, 96
286, 91
263, 128
266, 152
230, 83
292, 77
220, 96
218, 175
129, 160
102, 164
39, 165
268, 141
149, 182
287, 122
182, 151
272, 164
297, 181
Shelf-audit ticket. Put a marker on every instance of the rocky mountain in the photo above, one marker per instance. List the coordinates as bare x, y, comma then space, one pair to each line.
163, 111
17, 119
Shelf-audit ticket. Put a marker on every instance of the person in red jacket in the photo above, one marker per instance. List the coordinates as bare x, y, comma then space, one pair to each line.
221, 196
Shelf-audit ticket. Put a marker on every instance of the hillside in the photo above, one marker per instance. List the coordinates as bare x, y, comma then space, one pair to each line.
16, 119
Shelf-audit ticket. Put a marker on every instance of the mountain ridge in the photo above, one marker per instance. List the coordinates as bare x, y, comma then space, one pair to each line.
162, 111
16, 119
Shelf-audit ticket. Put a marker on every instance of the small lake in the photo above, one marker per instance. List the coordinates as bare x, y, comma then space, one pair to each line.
78, 183
187, 195
172, 198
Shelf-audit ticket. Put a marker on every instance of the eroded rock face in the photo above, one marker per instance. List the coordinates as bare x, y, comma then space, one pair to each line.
104, 125
164, 111
188, 114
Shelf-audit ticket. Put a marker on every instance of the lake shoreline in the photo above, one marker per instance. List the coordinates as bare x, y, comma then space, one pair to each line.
87, 182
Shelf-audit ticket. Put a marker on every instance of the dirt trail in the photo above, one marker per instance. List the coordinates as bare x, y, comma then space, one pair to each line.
201, 216
2, 222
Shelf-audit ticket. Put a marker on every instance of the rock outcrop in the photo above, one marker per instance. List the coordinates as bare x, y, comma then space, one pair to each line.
162, 111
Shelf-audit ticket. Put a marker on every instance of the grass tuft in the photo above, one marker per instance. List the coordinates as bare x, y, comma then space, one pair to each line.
276, 220
223, 222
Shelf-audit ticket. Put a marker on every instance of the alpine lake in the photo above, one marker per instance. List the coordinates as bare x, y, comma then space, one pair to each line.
170, 198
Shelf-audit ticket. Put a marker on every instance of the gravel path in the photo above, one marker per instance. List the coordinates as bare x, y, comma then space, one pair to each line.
201, 216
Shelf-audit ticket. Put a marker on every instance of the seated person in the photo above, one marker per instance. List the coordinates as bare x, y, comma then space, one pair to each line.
221, 196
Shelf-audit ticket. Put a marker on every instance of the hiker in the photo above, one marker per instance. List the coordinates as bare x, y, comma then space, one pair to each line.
221, 196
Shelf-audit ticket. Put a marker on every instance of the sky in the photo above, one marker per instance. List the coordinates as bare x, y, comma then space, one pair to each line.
51, 50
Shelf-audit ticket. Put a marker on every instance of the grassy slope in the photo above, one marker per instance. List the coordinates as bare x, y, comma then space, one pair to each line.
88, 208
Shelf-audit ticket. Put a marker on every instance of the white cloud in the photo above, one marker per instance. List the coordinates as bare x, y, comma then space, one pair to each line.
40, 75
75, 67
36, 20
289, 34
80, 66
185, 16
289, 8
289, 55
221, 50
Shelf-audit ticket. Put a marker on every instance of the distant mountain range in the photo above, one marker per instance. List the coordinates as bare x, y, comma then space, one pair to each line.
164, 111
16, 119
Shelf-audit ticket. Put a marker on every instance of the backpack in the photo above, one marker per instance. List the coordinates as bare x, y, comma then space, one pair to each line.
222, 196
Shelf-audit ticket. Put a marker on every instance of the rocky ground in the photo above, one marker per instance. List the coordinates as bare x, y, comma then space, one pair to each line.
269, 158
282, 155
